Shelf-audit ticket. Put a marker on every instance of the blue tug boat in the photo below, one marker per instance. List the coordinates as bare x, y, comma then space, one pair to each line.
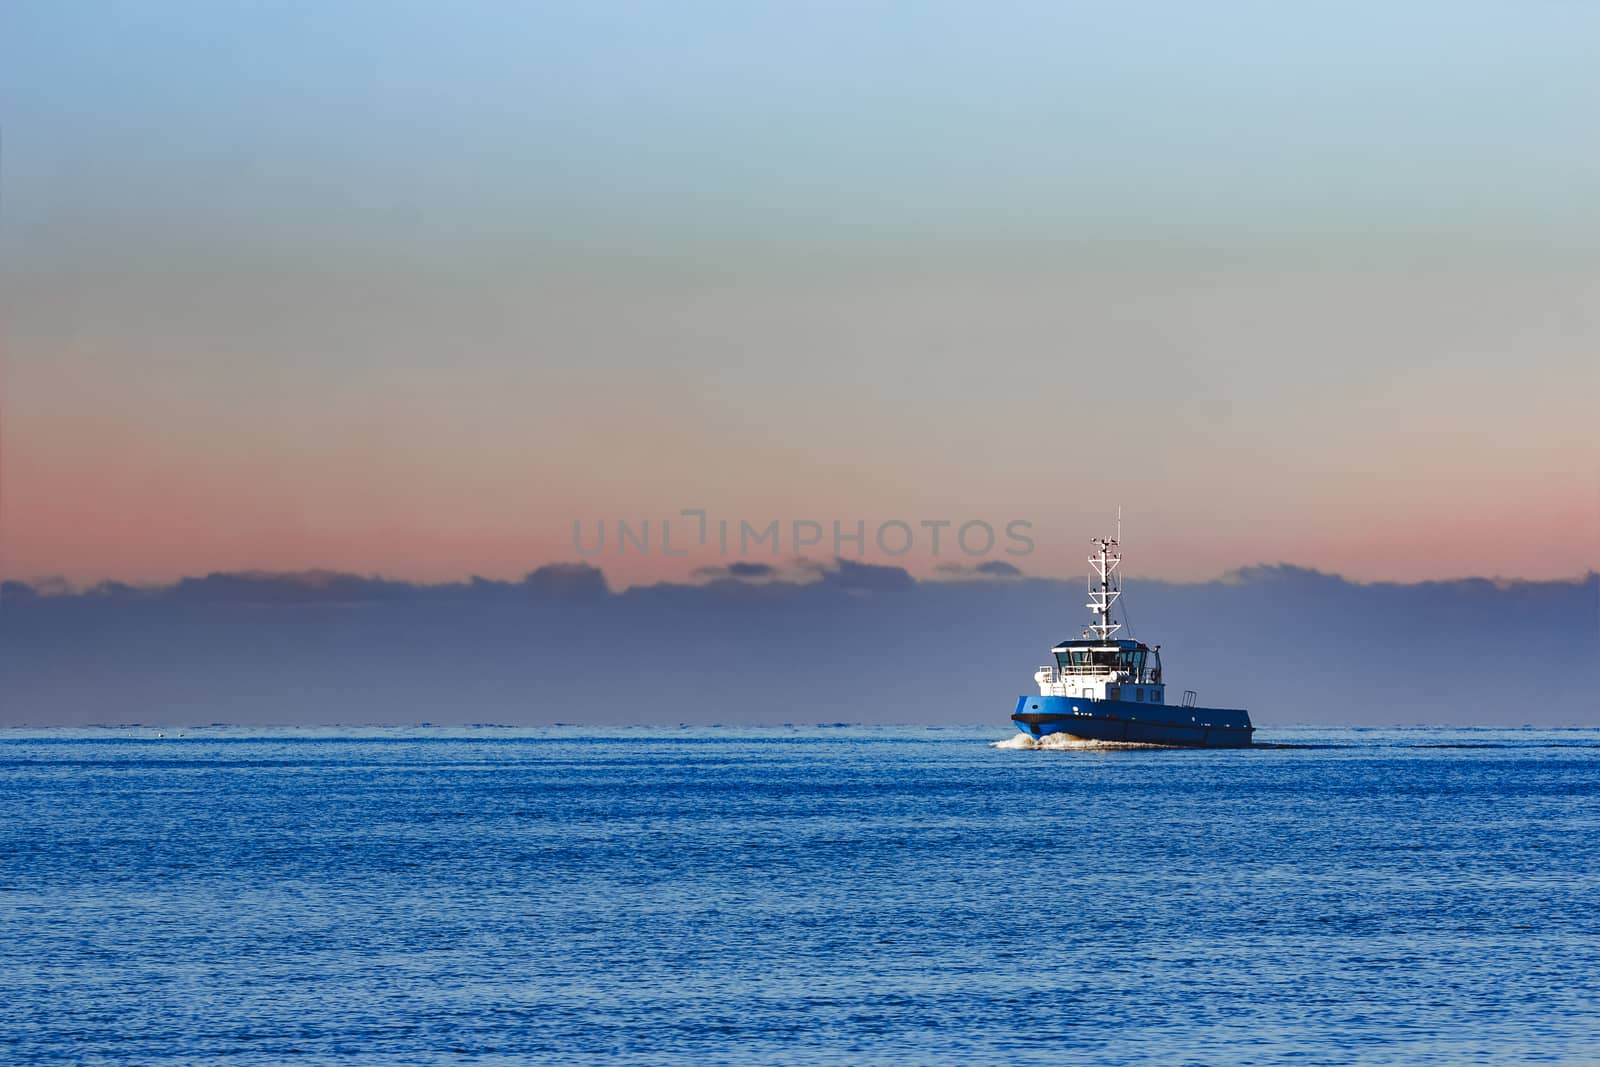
1103, 689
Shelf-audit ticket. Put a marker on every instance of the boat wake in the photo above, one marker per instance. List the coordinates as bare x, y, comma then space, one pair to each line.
1066, 743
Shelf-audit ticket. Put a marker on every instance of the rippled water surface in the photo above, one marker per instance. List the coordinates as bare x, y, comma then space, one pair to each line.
797, 895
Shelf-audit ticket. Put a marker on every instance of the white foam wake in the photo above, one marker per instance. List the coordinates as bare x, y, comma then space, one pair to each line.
1065, 742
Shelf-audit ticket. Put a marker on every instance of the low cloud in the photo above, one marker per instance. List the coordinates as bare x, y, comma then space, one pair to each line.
849, 574
739, 570
803, 642
567, 581
989, 569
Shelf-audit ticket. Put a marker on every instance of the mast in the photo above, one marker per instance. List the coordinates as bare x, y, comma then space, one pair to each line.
1105, 583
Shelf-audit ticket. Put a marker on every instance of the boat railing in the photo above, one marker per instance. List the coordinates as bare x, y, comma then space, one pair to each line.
1148, 676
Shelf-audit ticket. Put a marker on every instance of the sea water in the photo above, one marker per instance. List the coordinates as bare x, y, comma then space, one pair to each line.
796, 895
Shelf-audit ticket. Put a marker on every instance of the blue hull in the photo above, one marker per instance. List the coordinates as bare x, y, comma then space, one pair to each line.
1121, 720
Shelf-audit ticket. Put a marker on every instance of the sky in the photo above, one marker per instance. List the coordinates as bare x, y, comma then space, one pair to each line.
413, 289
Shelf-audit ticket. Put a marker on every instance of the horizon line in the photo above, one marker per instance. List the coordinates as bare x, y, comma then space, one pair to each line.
796, 571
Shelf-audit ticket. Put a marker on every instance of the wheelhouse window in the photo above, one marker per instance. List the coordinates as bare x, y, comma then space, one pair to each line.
1141, 665
1065, 661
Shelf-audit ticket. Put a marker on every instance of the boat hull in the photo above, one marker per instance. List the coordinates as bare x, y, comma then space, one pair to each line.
1121, 720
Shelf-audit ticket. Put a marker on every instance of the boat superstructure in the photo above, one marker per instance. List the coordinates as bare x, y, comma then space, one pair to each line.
1102, 688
